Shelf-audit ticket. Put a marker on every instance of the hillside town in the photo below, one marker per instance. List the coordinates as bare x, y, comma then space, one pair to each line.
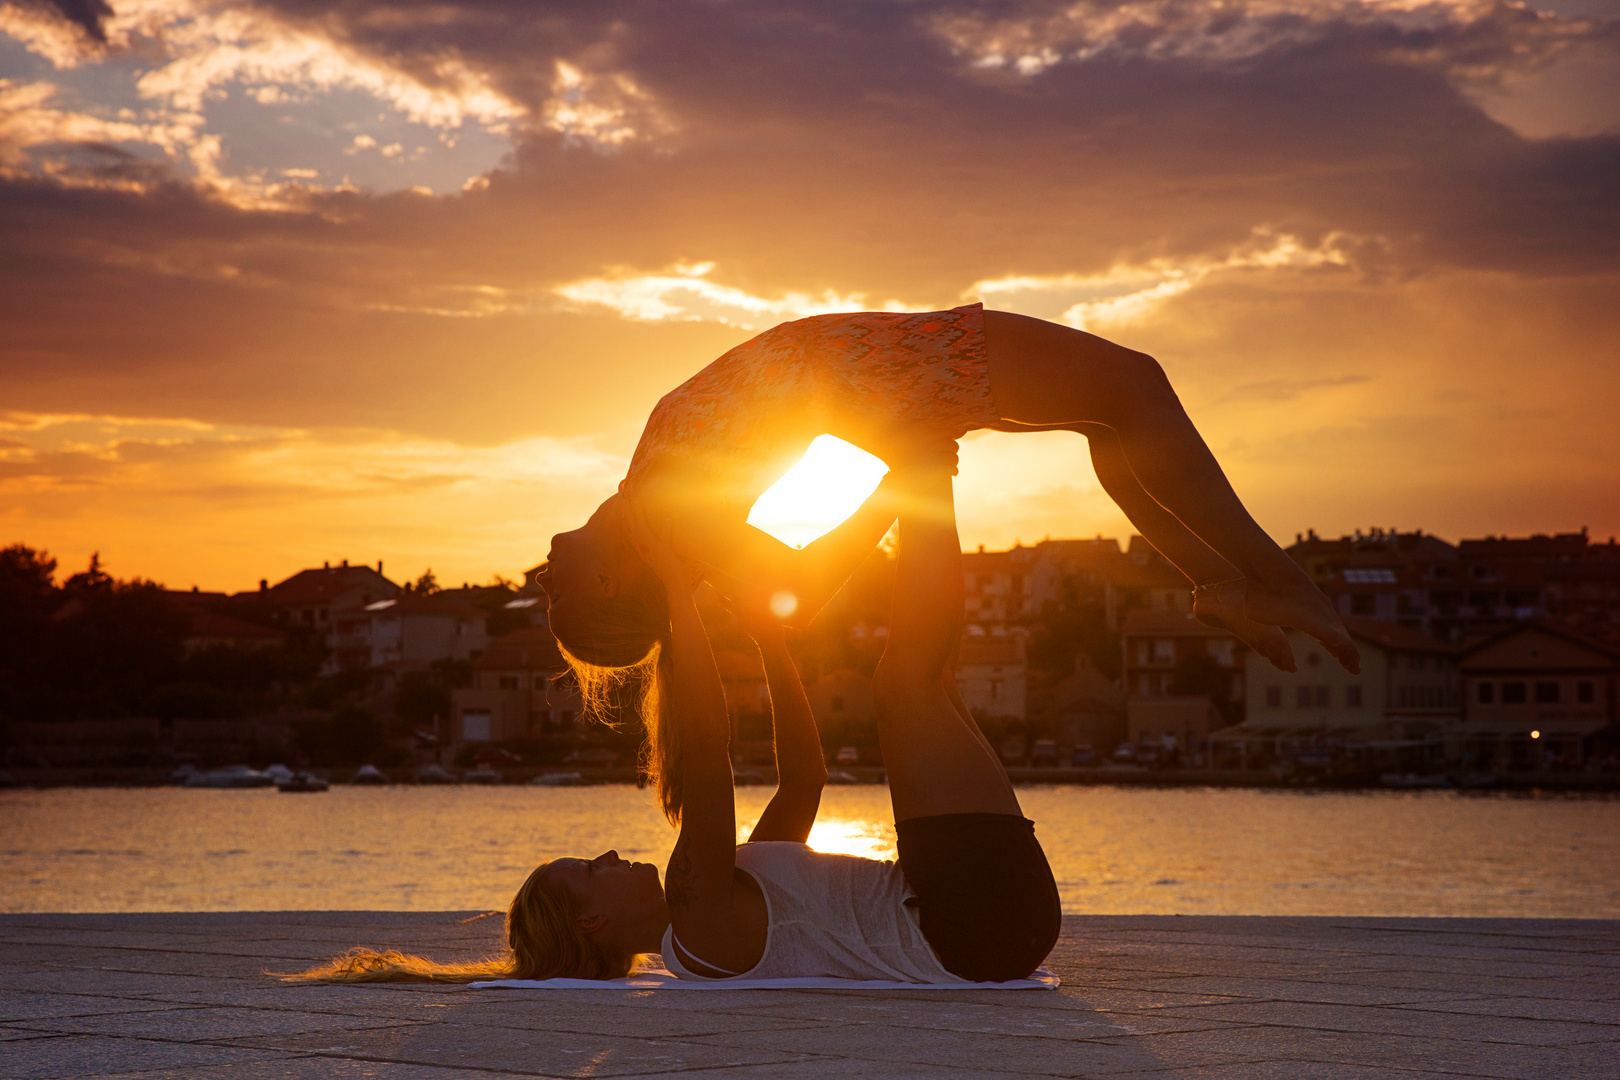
1492, 660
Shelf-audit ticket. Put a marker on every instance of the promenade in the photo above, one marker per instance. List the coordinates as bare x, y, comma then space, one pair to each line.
185, 996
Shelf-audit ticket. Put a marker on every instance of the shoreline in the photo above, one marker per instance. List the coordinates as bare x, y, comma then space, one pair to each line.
1104, 776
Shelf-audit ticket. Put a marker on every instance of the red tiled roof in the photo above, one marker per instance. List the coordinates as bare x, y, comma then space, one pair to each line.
323, 585
1556, 629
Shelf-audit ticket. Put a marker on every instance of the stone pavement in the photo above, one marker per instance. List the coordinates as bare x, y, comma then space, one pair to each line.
185, 996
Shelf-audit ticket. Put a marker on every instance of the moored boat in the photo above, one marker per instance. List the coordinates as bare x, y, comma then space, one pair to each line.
368, 774
302, 782
232, 776
557, 779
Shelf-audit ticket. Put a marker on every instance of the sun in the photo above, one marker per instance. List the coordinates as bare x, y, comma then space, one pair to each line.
826, 486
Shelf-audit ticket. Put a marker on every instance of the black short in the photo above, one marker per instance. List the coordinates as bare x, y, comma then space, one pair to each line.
985, 893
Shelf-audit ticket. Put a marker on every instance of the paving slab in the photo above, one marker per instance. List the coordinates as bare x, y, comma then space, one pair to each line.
191, 997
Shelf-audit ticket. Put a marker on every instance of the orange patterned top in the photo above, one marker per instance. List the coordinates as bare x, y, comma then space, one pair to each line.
747, 417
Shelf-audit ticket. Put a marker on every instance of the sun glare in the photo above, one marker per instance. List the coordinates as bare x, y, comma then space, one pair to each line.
866, 837
826, 486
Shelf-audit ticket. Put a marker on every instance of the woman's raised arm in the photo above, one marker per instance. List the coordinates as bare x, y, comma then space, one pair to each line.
801, 771
699, 881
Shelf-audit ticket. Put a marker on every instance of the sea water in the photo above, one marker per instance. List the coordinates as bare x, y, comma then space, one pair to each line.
1113, 850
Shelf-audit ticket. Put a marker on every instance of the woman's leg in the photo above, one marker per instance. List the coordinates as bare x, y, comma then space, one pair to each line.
1222, 607
1046, 375
937, 760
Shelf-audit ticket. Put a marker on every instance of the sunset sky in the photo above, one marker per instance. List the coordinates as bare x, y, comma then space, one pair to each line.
308, 280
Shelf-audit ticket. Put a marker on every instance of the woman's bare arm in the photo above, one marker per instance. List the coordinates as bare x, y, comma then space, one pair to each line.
801, 771
699, 883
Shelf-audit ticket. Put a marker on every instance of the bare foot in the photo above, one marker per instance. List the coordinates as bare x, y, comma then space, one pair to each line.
1223, 608
1304, 608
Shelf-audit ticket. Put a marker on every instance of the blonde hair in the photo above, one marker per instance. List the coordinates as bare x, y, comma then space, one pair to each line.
543, 942
619, 652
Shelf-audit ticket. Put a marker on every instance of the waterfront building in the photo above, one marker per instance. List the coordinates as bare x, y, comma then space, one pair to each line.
992, 676
1182, 680
1533, 695
520, 689
841, 702
1394, 715
1083, 709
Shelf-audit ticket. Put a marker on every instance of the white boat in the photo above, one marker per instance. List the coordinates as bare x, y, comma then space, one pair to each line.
233, 776
839, 776
296, 783
279, 772
482, 774
557, 779
368, 774
434, 774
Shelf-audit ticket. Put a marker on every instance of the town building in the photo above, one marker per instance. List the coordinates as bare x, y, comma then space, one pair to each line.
1157, 646
1182, 680
1178, 723
998, 586
992, 675
1453, 592
1083, 710
310, 597
408, 631
1533, 695
520, 689
1577, 582
841, 702
1394, 715
1020, 585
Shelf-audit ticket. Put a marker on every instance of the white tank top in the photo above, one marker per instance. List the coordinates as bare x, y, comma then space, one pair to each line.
829, 916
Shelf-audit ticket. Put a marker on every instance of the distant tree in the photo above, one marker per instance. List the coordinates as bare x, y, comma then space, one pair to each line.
28, 596
90, 580
105, 645
191, 701
426, 585
424, 694
349, 736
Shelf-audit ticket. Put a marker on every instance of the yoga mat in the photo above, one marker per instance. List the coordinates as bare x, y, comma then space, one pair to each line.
659, 979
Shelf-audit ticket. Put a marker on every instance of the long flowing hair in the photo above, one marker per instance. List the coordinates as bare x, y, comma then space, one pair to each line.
619, 651
543, 942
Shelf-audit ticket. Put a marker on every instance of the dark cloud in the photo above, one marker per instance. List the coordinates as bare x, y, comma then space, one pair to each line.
896, 150
86, 15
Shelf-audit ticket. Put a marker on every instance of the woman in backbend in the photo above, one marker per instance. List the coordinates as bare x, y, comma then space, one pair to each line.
891, 383
970, 899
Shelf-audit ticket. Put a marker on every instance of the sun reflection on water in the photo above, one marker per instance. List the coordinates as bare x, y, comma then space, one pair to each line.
869, 838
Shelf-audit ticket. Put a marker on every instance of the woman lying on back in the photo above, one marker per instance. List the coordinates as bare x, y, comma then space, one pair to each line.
971, 897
